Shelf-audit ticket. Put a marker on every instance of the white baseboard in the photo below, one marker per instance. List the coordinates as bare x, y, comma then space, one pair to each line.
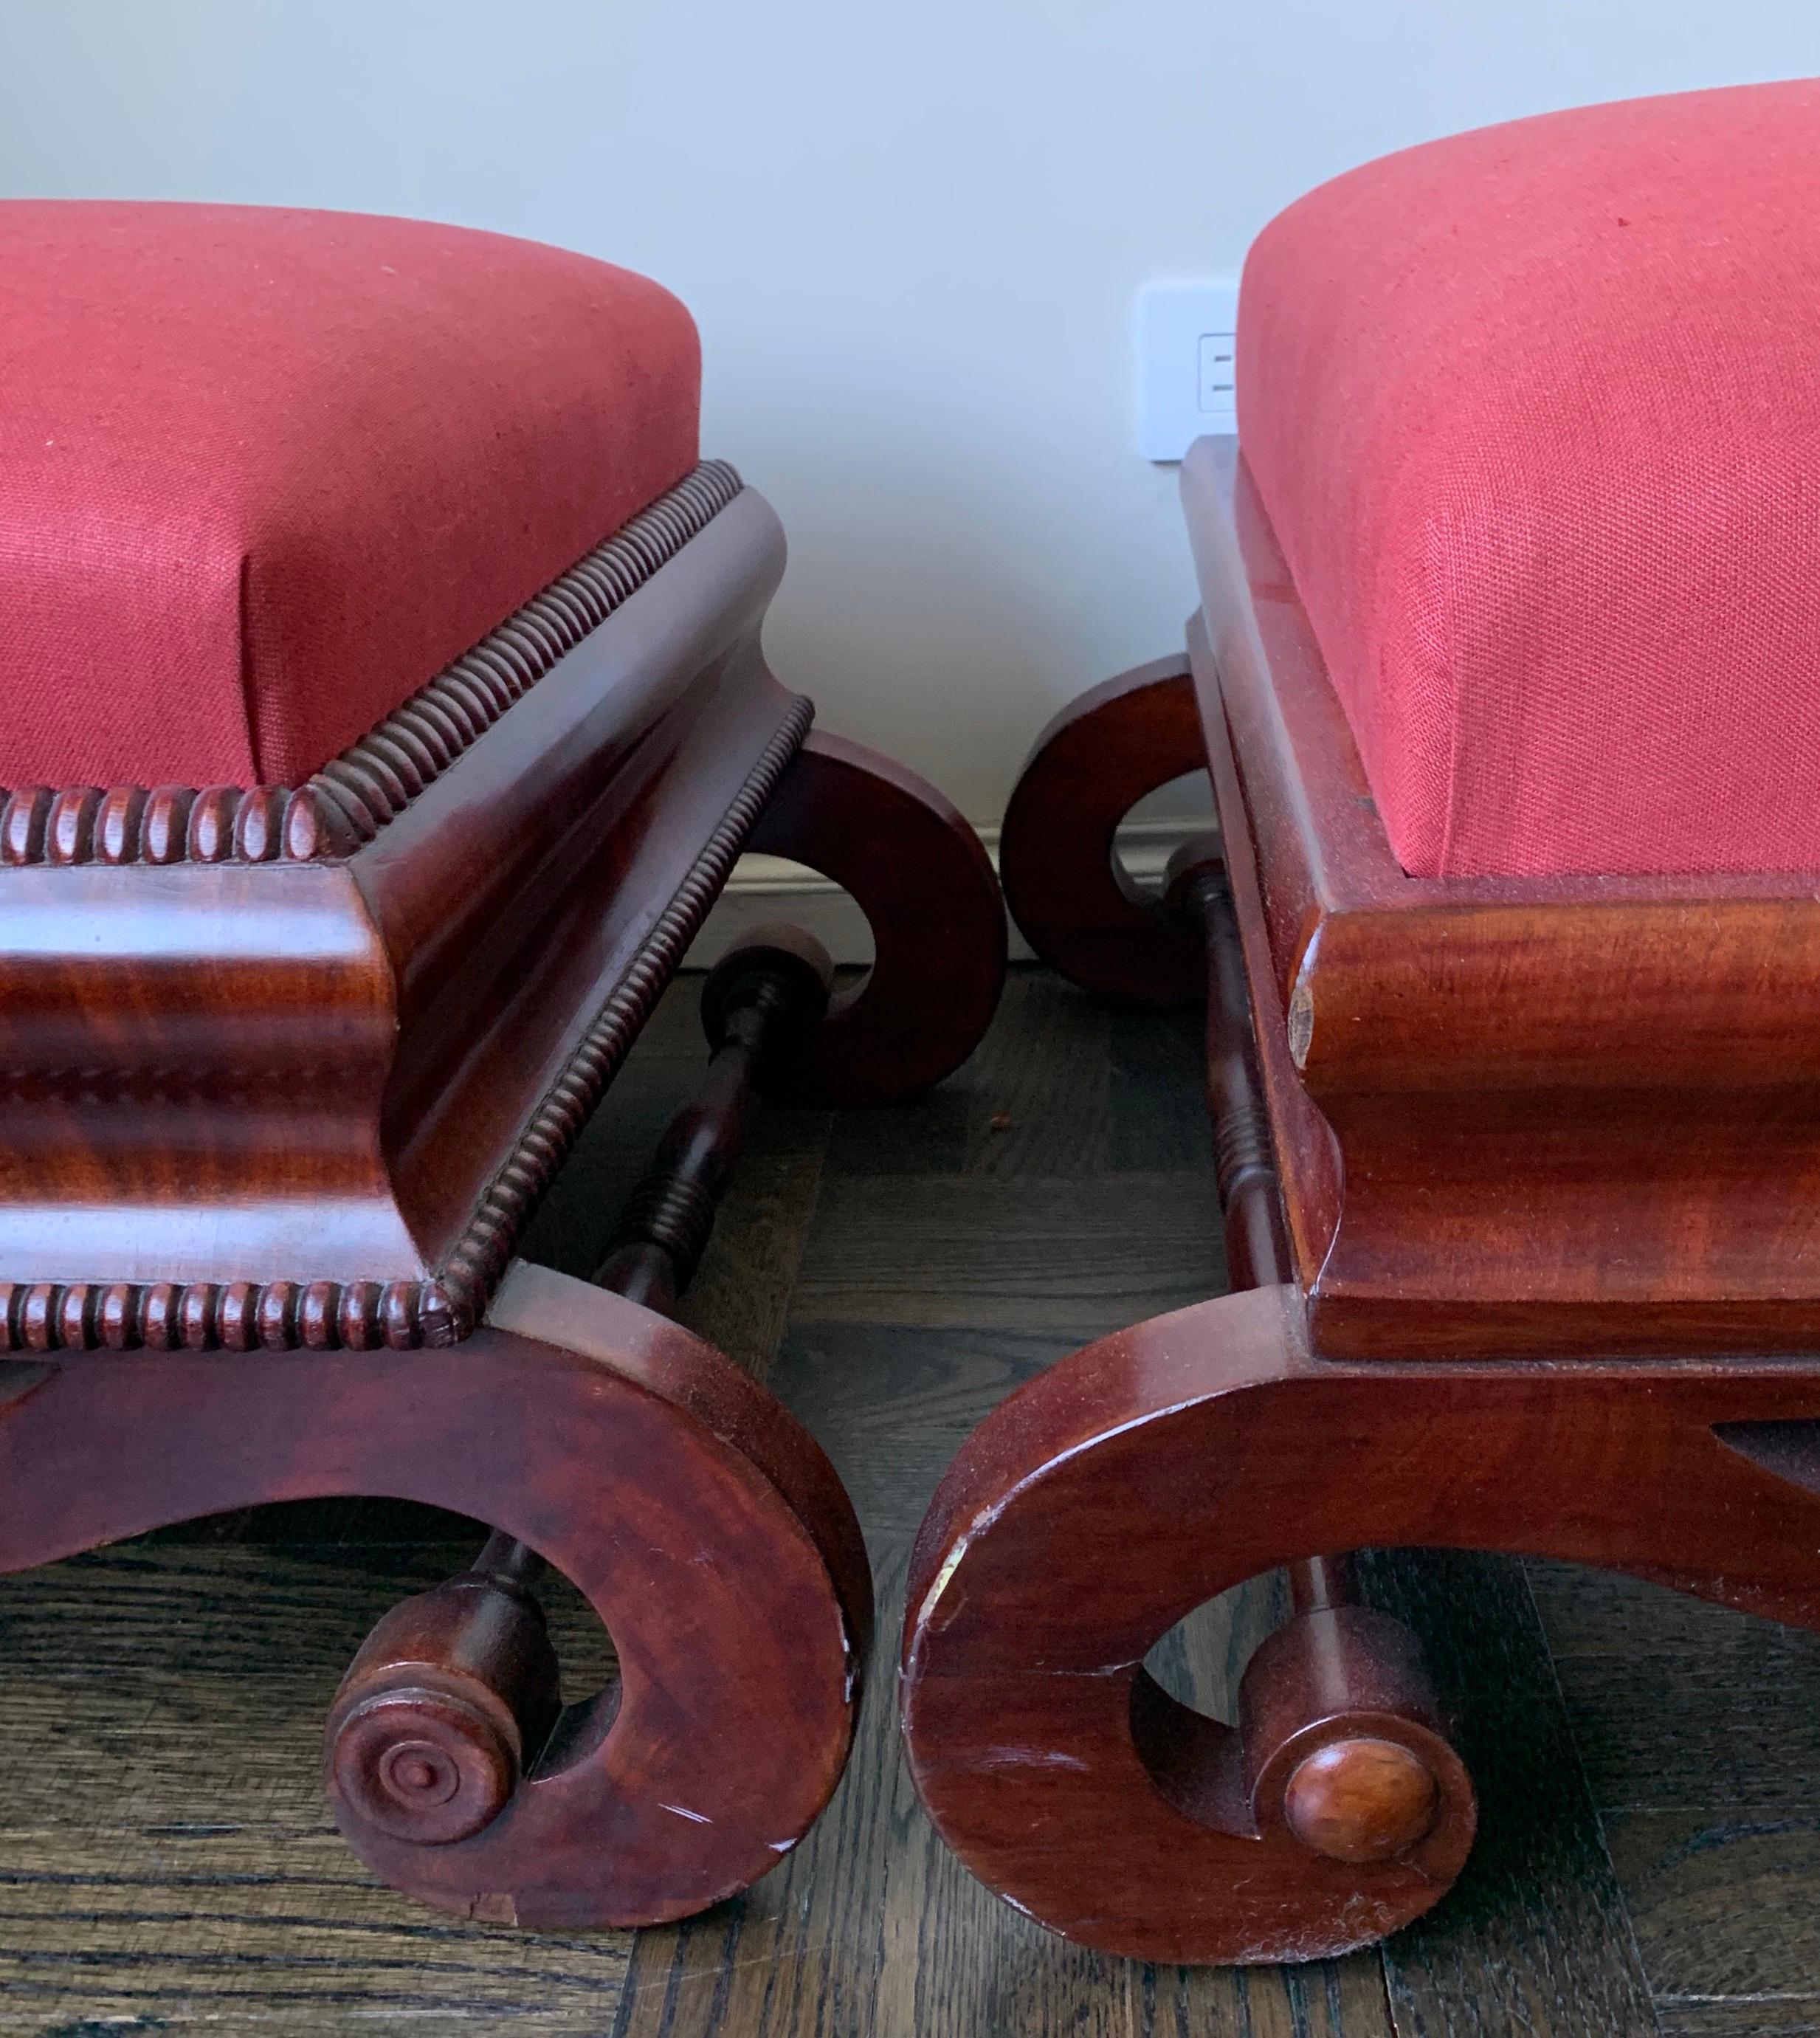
767, 888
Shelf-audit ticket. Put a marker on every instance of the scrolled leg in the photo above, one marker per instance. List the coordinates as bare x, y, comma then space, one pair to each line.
1062, 882
1081, 1521
709, 1533
1149, 1473
450, 1717
1338, 1806
919, 874
721, 1555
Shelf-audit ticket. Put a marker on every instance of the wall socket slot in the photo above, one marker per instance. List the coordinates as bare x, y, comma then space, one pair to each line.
1185, 386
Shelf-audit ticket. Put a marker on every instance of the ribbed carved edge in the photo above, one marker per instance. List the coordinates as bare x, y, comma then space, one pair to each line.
351, 798
211, 1315
472, 1270
364, 1316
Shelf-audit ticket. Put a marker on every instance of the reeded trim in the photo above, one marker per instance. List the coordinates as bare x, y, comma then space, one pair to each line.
472, 1270
364, 1316
354, 796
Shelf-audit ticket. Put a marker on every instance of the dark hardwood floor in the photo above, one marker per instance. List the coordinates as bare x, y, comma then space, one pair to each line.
1650, 1768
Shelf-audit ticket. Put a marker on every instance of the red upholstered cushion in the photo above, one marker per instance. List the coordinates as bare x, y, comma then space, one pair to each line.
263, 474
1535, 413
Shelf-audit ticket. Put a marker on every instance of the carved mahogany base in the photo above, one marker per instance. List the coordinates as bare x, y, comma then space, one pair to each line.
281, 1097
1170, 1462
701, 1521
1175, 1461
706, 1527
451, 1716
311, 1100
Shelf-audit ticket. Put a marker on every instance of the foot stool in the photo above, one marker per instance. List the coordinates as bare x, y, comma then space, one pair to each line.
386, 710
1504, 672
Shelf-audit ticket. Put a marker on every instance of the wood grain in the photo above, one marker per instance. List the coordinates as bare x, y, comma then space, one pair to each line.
1039, 1088
233, 1057
740, 1299
928, 890
1682, 1705
228, 1930
1156, 1079
1065, 885
1759, 2017
1471, 1079
1721, 1904
668, 1454
873, 1929
158, 1862
1534, 1935
740, 1295
1070, 1257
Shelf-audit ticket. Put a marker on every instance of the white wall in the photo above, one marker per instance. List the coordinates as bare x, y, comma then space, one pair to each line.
912, 234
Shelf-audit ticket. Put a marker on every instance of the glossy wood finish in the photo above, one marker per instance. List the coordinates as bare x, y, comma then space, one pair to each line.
449, 1721
1535, 1116
925, 882
703, 1525
1336, 1810
274, 1125
163, 1845
873, 1929
261, 1105
239, 1078
558, 864
1063, 880
1171, 1461
760, 1001
1507, 1120
1330, 1692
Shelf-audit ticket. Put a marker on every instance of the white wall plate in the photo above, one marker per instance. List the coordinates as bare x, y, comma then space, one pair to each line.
1185, 364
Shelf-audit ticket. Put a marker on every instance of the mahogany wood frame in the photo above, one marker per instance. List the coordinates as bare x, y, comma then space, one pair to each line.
1513, 1172
1471, 1079
313, 1102
287, 1073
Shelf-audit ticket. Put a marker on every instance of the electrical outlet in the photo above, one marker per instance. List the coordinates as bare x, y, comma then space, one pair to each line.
1216, 388
1185, 386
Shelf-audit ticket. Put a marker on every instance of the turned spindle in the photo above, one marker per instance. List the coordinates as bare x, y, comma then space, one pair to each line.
450, 1699
1342, 1732
758, 1001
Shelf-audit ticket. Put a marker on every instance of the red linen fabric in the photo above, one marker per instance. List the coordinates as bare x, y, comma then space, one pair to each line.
264, 473
1535, 413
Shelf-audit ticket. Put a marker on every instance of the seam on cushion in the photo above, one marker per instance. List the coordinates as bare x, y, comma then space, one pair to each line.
1455, 738
248, 711
1446, 672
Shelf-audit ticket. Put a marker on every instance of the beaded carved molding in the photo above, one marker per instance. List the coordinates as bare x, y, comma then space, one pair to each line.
364, 1315
342, 805
353, 796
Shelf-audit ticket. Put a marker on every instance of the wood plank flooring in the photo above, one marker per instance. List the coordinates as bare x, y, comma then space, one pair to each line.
1650, 1768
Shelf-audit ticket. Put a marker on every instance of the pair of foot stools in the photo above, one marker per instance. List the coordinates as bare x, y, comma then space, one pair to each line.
386, 710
